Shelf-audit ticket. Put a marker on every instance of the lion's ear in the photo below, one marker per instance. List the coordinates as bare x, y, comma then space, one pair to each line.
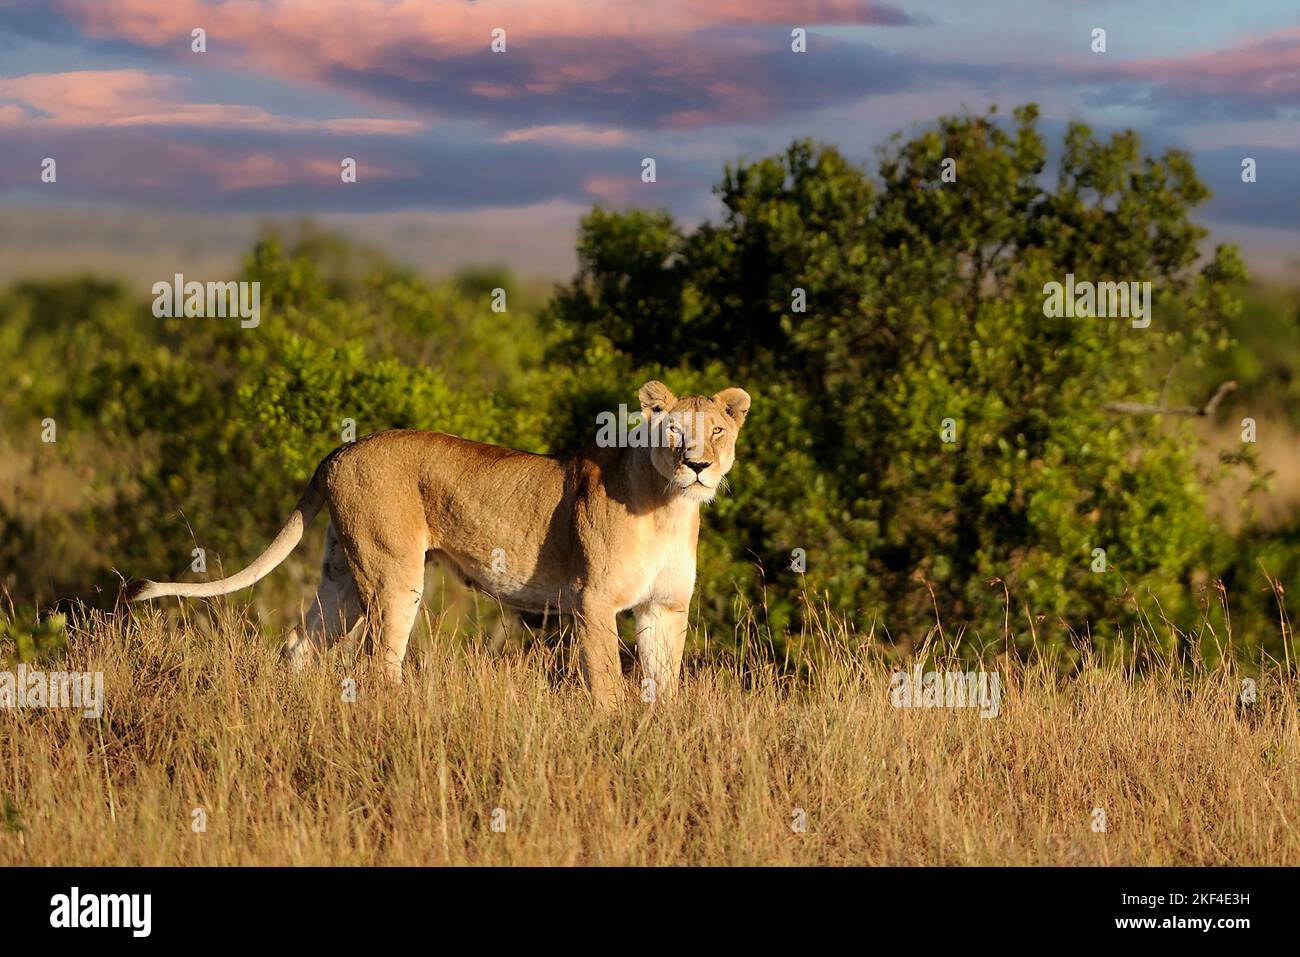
735, 402
655, 397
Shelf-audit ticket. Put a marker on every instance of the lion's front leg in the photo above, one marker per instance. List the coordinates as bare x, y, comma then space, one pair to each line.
660, 639
597, 633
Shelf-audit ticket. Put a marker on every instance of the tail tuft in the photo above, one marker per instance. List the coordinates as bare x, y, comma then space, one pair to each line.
138, 589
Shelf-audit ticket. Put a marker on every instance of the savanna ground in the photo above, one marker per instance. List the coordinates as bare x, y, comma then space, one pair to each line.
200, 714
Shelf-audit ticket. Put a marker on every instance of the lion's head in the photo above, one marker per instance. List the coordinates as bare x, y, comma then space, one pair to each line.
694, 437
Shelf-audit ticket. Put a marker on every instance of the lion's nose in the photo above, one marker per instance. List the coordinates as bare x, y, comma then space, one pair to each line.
697, 467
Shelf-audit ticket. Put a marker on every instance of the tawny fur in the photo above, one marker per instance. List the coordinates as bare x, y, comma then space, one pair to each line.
588, 535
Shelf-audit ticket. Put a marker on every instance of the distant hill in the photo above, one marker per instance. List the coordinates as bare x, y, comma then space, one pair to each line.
142, 247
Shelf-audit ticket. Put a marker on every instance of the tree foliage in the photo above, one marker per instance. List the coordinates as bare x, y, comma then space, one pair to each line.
924, 303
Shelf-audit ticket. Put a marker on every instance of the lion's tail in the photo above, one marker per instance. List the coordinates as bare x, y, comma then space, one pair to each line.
284, 543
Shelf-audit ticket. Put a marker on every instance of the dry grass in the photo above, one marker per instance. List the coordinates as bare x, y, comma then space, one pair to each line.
200, 714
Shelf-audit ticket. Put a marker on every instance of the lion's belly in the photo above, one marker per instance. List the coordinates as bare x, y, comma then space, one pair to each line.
655, 564
517, 586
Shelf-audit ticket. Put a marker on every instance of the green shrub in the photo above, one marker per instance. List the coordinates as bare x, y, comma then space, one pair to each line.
924, 303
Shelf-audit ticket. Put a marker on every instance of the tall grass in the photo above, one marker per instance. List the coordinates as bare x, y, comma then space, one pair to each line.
201, 715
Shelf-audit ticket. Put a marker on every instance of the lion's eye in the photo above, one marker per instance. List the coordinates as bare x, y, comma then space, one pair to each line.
717, 430
674, 430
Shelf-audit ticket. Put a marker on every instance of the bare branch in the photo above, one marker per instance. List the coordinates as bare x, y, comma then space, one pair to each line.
1140, 408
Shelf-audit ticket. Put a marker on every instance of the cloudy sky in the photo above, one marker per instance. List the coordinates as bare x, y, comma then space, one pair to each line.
517, 144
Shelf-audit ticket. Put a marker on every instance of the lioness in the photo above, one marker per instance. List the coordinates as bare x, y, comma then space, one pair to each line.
587, 535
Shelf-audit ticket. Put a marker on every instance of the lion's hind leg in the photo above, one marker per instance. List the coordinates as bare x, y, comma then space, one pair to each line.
333, 613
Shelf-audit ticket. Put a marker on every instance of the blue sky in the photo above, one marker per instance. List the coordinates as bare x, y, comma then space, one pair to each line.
587, 88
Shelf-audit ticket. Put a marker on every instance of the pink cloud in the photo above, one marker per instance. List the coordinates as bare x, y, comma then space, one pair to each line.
329, 170
570, 135
1266, 66
115, 98
256, 171
355, 33
260, 170
614, 189
324, 40
143, 161
493, 91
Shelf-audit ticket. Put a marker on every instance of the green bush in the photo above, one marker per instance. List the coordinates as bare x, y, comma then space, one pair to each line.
181, 433
924, 302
